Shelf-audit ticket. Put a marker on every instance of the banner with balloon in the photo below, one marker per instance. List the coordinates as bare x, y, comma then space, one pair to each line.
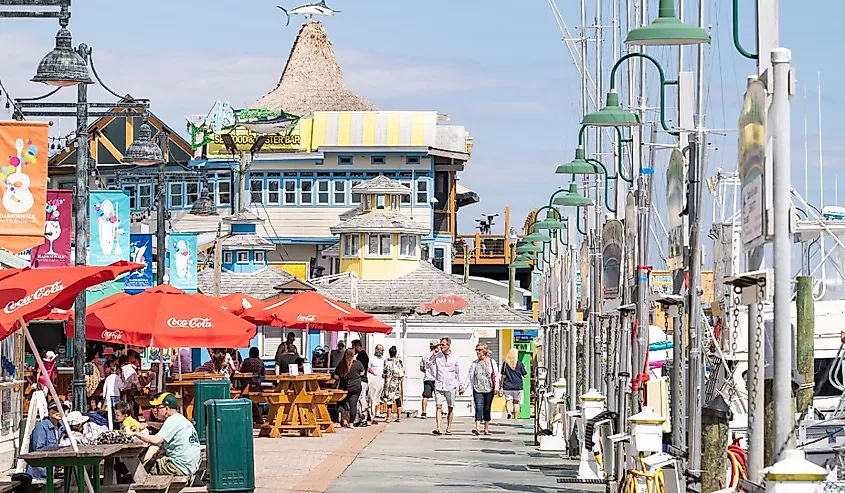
23, 183
182, 257
109, 215
55, 251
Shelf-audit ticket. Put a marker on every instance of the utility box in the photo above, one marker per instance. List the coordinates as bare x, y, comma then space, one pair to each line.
230, 451
526, 354
203, 391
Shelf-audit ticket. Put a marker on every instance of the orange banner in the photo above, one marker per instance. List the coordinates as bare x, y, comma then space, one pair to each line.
23, 184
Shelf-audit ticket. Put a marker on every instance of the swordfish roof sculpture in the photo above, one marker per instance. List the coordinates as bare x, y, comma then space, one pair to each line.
312, 79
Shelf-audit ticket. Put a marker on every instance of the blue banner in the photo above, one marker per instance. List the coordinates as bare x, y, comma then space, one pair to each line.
182, 259
109, 215
140, 252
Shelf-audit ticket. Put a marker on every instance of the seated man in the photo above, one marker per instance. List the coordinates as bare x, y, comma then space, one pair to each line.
46, 433
177, 437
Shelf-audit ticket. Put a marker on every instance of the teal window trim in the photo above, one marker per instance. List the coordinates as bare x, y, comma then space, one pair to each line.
263, 259
227, 257
302, 192
286, 191
345, 160
412, 160
318, 191
378, 160
238, 257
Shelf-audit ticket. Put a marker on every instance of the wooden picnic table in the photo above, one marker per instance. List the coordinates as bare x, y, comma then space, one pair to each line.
297, 405
87, 456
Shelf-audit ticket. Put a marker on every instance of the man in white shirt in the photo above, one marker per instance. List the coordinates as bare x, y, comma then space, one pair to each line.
447, 381
427, 368
376, 380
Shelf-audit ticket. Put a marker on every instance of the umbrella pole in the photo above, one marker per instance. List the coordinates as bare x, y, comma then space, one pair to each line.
50, 386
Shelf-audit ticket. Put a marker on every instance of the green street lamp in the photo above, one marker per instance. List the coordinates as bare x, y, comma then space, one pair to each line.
549, 223
612, 115
527, 248
578, 166
667, 30
573, 199
518, 264
537, 237
525, 257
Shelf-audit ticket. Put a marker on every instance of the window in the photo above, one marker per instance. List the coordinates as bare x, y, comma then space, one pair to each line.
174, 194
145, 196
378, 160
378, 245
322, 192
227, 257
273, 195
290, 192
344, 160
131, 191
394, 202
380, 201
407, 245
439, 260
406, 199
339, 197
256, 191
356, 197
422, 192
412, 160
224, 193
243, 257
192, 191
259, 257
306, 192
351, 245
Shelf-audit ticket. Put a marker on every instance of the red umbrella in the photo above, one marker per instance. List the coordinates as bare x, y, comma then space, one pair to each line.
369, 326
32, 293
168, 317
234, 303
310, 310
93, 307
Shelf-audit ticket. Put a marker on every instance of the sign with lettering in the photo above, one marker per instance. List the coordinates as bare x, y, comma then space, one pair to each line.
245, 139
140, 252
23, 184
752, 166
55, 251
244, 126
447, 305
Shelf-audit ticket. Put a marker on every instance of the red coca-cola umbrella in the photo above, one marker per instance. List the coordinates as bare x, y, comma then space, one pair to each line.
164, 317
93, 307
31, 293
234, 303
311, 310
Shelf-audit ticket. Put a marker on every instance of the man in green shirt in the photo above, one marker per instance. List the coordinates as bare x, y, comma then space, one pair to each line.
177, 437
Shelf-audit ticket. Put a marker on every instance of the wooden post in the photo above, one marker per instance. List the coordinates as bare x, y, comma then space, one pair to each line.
714, 447
806, 334
218, 259
508, 256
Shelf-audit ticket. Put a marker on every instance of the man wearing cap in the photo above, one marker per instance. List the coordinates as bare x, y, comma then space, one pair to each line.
177, 437
46, 433
427, 367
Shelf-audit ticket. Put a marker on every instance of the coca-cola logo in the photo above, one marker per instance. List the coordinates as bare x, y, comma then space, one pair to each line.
39, 293
306, 318
190, 323
112, 335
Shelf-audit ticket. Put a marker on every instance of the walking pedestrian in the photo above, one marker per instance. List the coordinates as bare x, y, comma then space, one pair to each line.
482, 378
363, 403
447, 378
394, 374
427, 368
513, 371
375, 384
348, 375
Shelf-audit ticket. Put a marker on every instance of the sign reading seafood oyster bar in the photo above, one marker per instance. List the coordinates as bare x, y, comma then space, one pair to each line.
244, 140
281, 131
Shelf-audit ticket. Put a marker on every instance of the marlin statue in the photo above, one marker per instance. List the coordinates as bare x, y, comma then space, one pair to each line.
309, 10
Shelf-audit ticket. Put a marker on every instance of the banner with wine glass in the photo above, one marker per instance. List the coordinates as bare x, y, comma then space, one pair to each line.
182, 259
23, 184
109, 216
140, 252
55, 251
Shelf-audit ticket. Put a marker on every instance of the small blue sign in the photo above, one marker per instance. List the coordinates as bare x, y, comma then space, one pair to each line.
141, 252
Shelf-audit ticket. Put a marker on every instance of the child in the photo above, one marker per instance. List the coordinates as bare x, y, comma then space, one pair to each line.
123, 415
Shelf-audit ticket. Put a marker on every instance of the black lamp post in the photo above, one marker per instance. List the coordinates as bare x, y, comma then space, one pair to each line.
65, 66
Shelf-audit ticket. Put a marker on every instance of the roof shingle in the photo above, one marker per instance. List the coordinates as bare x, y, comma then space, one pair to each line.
259, 284
376, 222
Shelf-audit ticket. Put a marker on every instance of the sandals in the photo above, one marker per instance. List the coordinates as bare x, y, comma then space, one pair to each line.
486, 433
436, 432
448, 432
475, 432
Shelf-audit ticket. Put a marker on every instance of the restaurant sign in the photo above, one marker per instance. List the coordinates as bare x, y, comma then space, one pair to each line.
446, 305
245, 126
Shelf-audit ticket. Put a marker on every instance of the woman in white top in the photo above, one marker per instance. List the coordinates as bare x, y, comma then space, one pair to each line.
483, 379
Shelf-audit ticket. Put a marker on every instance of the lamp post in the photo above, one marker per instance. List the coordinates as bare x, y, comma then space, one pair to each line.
515, 264
65, 66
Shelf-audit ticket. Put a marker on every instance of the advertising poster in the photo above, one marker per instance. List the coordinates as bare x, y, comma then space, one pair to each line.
182, 256
630, 241
140, 252
23, 184
675, 205
612, 239
751, 164
55, 251
109, 216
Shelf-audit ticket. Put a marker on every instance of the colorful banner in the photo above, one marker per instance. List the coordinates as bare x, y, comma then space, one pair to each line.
109, 215
182, 259
612, 238
23, 183
55, 251
140, 252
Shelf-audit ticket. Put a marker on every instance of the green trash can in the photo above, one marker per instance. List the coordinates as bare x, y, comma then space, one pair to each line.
203, 391
230, 429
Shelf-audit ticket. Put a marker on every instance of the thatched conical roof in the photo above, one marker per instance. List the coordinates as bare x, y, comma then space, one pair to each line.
312, 79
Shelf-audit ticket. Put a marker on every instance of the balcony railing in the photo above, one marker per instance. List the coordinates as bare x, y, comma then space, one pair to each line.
483, 249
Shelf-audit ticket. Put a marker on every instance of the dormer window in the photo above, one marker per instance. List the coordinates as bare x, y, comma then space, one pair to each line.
407, 245
227, 257
351, 245
259, 257
243, 257
366, 202
380, 202
394, 202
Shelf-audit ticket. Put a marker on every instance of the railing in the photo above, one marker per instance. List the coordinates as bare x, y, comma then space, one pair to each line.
482, 249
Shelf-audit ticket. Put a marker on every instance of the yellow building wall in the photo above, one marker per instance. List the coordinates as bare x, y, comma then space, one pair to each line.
505, 345
380, 268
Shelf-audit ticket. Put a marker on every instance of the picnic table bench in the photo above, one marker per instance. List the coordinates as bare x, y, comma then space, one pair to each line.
87, 456
297, 405
9, 486
153, 484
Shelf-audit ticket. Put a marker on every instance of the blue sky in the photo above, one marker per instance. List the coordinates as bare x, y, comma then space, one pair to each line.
497, 67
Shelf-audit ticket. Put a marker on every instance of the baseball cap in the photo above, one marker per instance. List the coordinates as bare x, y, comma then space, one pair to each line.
433, 342
52, 405
165, 399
